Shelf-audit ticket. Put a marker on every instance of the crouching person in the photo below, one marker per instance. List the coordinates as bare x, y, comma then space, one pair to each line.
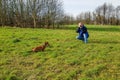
82, 33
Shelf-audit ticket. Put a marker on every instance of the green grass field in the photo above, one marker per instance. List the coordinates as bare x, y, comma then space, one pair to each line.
65, 59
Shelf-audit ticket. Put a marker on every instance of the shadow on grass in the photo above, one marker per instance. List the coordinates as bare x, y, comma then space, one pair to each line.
104, 42
26, 53
108, 29
105, 29
1, 50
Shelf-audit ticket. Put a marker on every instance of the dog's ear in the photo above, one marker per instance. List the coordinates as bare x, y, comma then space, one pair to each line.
47, 43
33, 49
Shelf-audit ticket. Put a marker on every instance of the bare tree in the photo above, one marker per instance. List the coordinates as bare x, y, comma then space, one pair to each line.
109, 13
0, 12
118, 15
87, 17
34, 13
104, 10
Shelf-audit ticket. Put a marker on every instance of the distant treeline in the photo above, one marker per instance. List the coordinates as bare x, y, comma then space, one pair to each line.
50, 14
31, 13
105, 14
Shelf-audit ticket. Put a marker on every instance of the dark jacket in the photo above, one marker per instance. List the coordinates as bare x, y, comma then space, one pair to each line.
82, 30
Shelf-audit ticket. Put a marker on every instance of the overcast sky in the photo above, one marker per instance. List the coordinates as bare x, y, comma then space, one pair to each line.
74, 7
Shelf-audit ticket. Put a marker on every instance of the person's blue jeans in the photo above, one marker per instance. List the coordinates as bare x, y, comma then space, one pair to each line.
84, 38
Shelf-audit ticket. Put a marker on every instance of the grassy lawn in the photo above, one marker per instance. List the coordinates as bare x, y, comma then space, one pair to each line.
65, 59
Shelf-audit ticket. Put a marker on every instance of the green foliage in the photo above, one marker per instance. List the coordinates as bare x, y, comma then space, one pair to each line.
95, 71
16, 40
12, 77
65, 59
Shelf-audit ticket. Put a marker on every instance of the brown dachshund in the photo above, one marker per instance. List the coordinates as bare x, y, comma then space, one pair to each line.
40, 48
